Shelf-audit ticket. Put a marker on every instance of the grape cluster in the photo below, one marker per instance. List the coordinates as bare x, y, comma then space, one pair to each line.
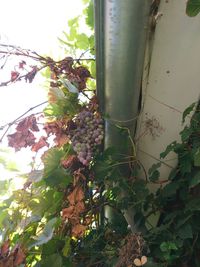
87, 135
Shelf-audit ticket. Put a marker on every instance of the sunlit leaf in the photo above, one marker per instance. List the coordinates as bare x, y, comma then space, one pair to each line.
46, 234
82, 41
90, 15
69, 86
35, 175
67, 248
51, 160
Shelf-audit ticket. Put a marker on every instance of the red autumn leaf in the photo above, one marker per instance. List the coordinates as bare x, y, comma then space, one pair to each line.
69, 161
66, 64
31, 74
58, 129
61, 139
82, 72
78, 230
19, 257
41, 143
21, 64
19, 140
54, 127
14, 75
76, 195
5, 248
28, 123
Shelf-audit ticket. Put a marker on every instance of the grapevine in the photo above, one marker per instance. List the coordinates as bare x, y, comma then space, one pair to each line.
57, 219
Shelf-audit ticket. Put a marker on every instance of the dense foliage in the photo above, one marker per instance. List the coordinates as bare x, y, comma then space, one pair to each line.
57, 218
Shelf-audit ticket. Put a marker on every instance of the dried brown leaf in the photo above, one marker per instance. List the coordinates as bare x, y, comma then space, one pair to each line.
78, 230
41, 143
76, 195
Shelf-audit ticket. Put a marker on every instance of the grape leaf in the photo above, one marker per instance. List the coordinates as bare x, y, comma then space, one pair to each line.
51, 160
54, 260
187, 111
69, 86
185, 231
193, 8
90, 15
168, 149
55, 94
46, 234
35, 176
195, 180
197, 158
67, 248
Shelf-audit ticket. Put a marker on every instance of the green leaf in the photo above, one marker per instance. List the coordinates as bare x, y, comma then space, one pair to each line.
195, 180
69, 86
197, 158
188, 110
93, 69
58, 177
193, 8
46, 234
92, 44
67, 106
35, 176
90, 15
65, 42
85, 1
169, 149
82, 41
67, 248
185, 231
170, 189
185, 161
154, 167
154, 176
3, 216
57, 94
54, 110
54, 260
73, 22
72, 34
186, 133
193, 205
51, 160
4, 187
168, 246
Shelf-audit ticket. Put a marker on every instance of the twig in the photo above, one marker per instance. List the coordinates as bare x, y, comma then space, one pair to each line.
84, 54
22, 76
21, 54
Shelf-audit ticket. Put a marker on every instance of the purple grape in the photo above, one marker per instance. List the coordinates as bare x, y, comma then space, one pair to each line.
87, 136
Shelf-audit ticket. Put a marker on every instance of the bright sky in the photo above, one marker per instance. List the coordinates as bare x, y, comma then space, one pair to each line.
34, 25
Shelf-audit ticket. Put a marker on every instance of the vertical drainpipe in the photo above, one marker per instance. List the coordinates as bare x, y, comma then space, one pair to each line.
120, 32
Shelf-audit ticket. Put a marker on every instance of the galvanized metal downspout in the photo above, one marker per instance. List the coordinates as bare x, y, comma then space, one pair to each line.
120, 31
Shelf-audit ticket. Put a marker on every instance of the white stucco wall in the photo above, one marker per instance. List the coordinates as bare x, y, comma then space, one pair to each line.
173, 83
